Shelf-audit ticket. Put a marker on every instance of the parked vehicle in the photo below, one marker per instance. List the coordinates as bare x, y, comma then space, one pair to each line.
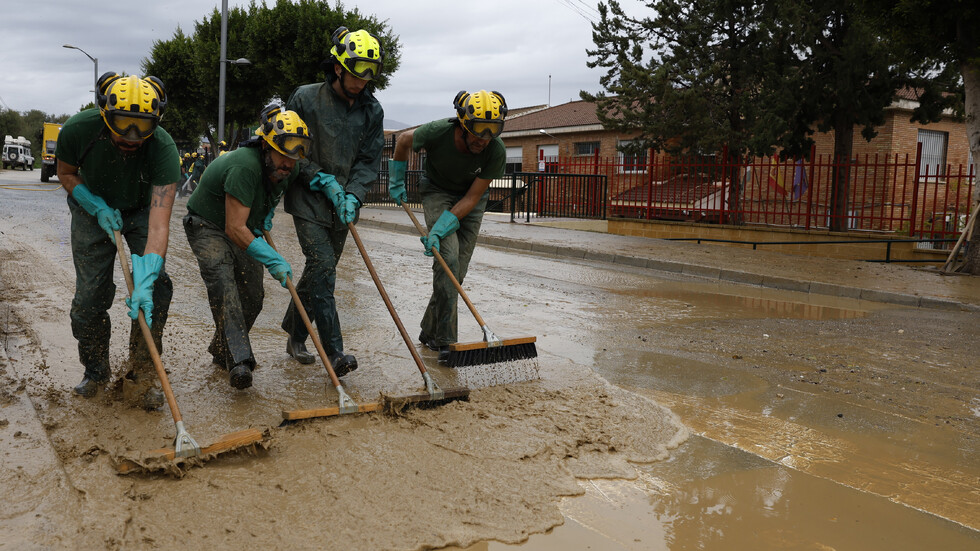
17, 153
49, 139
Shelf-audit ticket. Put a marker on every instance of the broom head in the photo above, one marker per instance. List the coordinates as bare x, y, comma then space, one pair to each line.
482, 352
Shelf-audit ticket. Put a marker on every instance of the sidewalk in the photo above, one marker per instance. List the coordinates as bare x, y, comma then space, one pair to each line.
890, 283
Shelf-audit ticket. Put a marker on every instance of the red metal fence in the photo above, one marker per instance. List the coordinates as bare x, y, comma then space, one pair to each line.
895, 194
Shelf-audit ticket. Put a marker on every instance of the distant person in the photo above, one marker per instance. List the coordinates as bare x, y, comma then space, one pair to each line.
225, 218
185, 165
346, 124
462, 156
120, 169
222, 148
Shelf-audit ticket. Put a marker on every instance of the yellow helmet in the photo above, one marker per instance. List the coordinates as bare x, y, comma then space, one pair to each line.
131, 106
359, 52
481, 113
284, 131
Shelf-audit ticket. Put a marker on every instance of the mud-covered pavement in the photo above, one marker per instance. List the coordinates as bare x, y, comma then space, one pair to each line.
816, 422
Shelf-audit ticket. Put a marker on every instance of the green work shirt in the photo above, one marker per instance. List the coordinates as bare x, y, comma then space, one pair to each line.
449, 169
123, 180
347, 141
239, 174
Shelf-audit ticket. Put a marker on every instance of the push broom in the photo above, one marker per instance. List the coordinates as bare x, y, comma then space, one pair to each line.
434, 395
184, 445
345, 404
492, 349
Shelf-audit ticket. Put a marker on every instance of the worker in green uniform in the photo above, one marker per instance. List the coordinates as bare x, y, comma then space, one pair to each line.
120, 169
346, 125
462, 156
226, 215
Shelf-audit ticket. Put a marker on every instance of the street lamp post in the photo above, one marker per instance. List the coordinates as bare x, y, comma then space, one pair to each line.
222, 69
95, 60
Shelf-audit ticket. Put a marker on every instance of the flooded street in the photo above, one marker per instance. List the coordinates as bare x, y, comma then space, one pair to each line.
664, 411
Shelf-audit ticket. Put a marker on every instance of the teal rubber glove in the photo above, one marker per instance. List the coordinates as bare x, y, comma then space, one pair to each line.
266, 224
273, 261
146, 270
109, 219
328, 185
444, 226
348, 211
396, 181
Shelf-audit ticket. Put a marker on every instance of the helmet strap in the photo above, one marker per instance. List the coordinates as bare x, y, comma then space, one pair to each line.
343, 87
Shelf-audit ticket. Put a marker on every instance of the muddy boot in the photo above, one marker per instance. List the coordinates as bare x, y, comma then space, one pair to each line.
92, 381
298, 350
342, 363
140, 390
443, 354
152, 399
240, 376
427, 341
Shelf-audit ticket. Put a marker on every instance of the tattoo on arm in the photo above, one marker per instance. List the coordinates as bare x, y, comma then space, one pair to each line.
163, 196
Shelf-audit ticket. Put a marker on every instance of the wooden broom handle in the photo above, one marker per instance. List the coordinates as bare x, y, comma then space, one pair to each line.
445, 267
306, 320
384, 296
147, 336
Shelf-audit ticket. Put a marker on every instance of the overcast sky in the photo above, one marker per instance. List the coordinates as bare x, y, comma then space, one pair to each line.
511, 46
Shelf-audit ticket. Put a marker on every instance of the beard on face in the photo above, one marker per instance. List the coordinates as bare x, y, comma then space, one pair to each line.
277, 173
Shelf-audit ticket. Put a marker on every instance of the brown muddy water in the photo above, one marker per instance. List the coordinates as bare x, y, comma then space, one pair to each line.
670, 413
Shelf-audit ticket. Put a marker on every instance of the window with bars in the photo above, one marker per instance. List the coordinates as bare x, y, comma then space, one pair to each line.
514, 161
586, 148
631, 161
933, 160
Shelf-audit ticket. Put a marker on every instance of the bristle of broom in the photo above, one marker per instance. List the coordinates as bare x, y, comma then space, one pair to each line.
492, 355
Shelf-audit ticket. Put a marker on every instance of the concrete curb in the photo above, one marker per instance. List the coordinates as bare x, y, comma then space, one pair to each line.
707, 272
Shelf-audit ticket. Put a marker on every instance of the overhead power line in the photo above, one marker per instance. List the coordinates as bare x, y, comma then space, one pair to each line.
576, 6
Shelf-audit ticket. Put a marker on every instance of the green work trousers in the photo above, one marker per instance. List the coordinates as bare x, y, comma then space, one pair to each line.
322, 246
235, 290
441, 321
94, 256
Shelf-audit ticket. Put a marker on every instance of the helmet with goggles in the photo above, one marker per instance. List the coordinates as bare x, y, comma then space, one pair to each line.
481, 113
284, 131
359, 52
131, 106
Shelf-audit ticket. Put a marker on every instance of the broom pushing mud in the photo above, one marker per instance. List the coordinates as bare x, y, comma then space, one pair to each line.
345, 405
185, 447
492, 349
434, 394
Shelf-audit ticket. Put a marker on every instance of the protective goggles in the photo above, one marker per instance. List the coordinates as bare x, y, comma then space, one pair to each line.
132, 126
291, 145
363, 69
484, 129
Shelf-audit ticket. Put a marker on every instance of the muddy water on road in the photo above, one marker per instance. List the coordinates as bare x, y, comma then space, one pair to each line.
772, 467
824, 421
493, 467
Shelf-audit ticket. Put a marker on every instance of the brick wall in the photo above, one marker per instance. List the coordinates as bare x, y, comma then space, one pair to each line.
660, 229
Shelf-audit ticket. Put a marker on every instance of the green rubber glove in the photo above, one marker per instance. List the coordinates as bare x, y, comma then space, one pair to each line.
396, 181
273, 261
348, 211
328, 185
444, 226
146, 270
109, 219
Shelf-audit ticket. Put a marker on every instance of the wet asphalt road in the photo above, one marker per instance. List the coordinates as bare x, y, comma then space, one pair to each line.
725, 487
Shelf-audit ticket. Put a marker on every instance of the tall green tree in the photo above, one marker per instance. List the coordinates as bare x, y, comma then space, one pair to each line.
172, 61
285, 44
844, 74
752, 76
690, 77
945, 35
